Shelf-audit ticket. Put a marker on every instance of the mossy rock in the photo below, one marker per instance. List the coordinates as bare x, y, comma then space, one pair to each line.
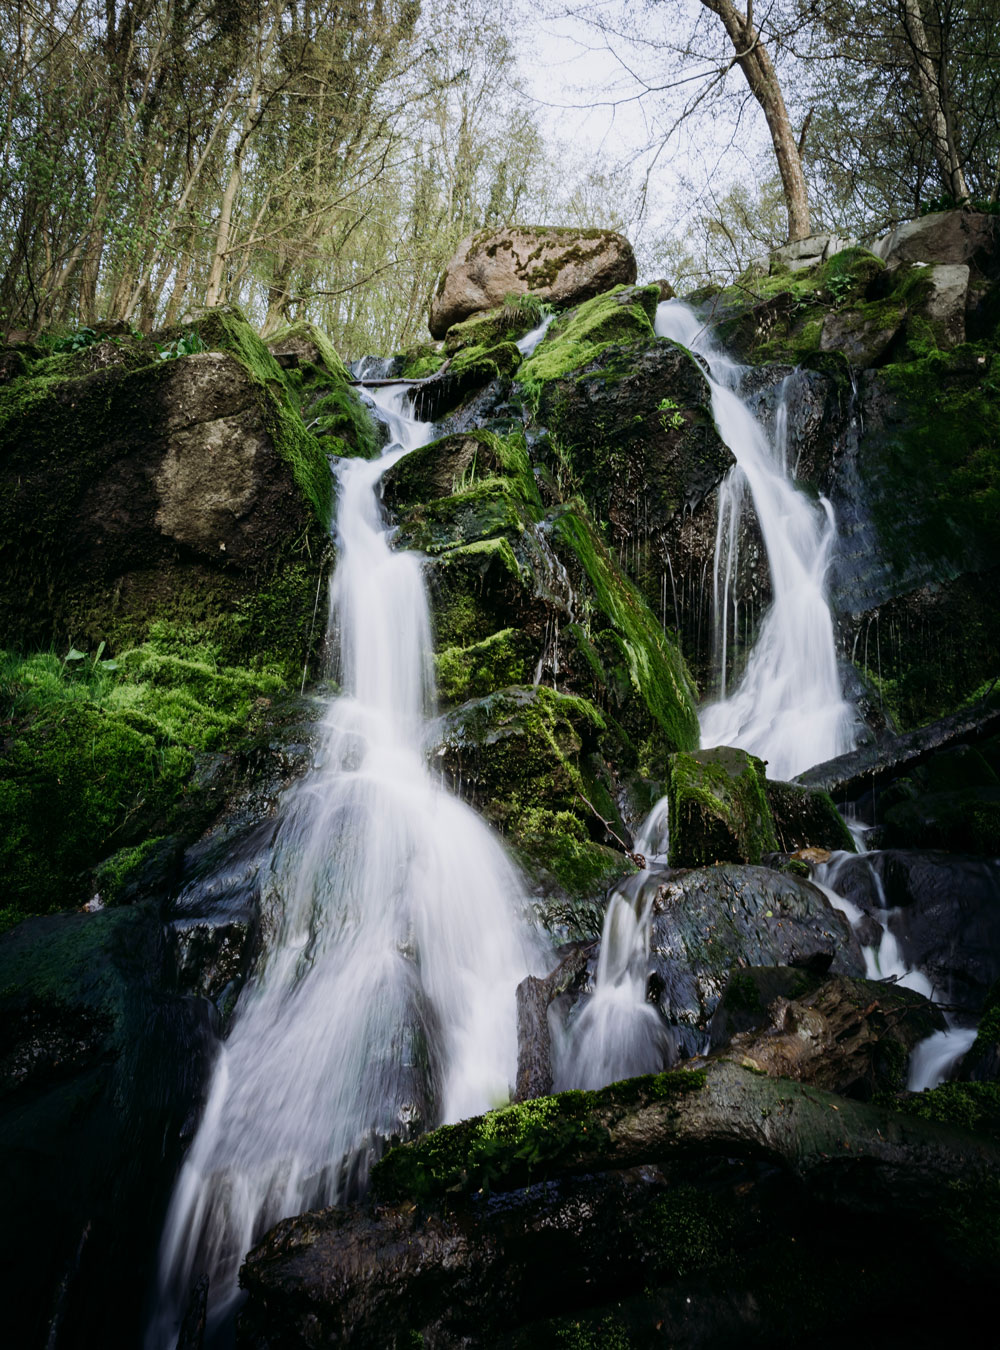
806, 818
319, 388
718, 808
622, 315
504, 324
638, 673
504, 658
517, 1145
529, 759
981, 1062
110, 763
185, 490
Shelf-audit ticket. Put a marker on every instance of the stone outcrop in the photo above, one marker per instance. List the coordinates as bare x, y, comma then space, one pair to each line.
803, 253
690, 1208
137, 489
944, 237
562, 266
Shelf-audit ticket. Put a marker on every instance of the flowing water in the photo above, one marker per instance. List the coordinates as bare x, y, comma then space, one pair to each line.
385, 1002
788, 707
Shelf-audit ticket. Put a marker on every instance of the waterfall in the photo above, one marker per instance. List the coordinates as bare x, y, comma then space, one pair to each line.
788, 707
386, 1000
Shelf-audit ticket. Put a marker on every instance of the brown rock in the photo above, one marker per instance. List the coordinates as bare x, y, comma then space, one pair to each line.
561, 265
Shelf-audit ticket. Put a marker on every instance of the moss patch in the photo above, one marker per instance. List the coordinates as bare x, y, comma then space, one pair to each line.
520, 1144
502, 659
98, 763
627, 650
718, 808
624, 314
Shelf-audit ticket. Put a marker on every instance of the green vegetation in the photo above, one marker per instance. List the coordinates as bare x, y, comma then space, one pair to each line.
627, 649
520, 1144
517, 316
971, 1106
502, 659
624, 314
718, 808
98, 761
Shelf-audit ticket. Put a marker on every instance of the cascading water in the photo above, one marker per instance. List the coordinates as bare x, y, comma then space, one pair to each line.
933, 1059
788, 707
386, 999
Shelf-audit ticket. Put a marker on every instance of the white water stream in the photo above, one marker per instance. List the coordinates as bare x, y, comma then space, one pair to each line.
386, 997
788, 707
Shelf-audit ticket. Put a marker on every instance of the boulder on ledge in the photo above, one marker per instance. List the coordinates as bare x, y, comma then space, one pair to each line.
563, 266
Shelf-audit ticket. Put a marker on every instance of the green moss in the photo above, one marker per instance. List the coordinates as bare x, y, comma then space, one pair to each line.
971, 1106
505, 324
104, 762
421, 361
319, 391
502, 659
718, 808
71, 449
228, 330
599, 1333
622, 315
691, 1230
555, 844
113, 876
480, 364
944, 450
627, 645
520, 1144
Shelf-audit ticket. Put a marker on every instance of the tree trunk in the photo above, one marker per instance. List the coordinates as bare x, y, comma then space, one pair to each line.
753, 60
932, 82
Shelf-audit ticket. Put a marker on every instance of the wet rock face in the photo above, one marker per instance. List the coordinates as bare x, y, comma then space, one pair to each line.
101, 1066
845, 1035
944, 911
562, 266
708, 922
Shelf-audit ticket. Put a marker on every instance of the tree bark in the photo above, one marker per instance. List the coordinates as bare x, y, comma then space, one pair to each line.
753, 59
934, 99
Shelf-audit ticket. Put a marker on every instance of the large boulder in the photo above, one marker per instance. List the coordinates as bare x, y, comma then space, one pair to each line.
188, 490
944, 237
713, 920
687, 1209
563, 266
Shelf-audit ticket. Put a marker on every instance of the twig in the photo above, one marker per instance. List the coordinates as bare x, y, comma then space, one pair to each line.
637, 858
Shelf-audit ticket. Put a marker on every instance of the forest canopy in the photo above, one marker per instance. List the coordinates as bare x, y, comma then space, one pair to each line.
321, 159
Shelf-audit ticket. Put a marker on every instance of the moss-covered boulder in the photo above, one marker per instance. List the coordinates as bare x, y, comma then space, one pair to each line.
318, 384
806, 818
185, 489
697, 1209
507, 323
111, 762
718, 808
563, 266
532, 761
622, 315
